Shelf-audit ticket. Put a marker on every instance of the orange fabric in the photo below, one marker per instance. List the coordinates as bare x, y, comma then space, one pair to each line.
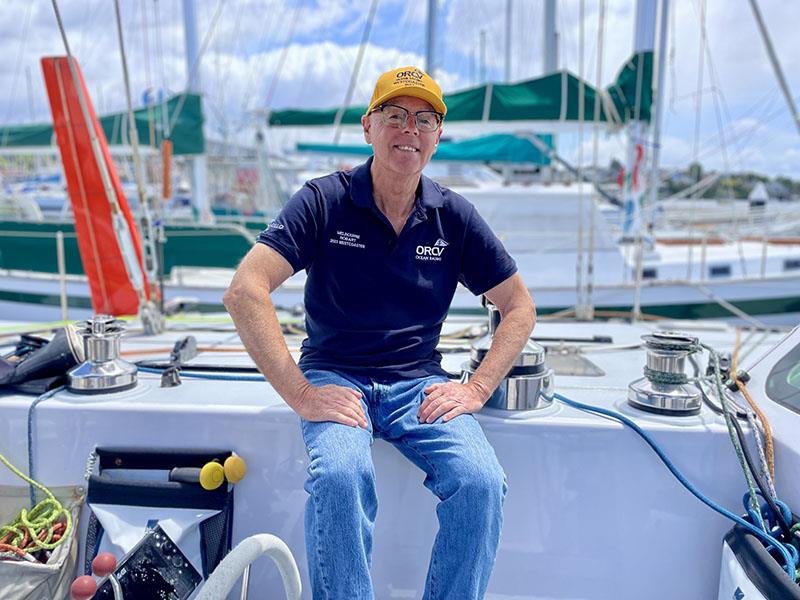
112, 291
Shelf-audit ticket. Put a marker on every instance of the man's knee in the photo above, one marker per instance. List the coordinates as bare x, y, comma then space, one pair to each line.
481, 483
485, 483
345, 476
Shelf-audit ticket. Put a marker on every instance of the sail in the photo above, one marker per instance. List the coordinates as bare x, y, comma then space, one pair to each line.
109, 243
554, 97
498, 148
186, 127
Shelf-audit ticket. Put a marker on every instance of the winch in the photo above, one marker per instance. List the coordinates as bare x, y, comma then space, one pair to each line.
529, 383
104, 371
665, 387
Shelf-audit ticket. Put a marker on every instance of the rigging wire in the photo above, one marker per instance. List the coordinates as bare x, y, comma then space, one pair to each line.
165, 128
276, 76
148, 231
196, 65
267, 33
18, 67
337, 122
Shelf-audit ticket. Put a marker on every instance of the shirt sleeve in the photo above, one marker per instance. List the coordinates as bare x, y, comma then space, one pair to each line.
294, 233
485, 262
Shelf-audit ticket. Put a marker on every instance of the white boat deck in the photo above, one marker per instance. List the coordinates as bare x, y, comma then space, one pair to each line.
591, 512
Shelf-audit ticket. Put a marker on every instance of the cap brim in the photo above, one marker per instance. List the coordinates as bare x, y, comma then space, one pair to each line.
416, 92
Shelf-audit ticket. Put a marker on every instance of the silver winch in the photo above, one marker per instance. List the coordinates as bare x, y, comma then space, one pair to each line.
529, 383
104, 371
665, 387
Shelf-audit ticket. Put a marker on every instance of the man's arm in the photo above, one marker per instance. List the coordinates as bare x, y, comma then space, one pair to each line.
518, 319
248, 301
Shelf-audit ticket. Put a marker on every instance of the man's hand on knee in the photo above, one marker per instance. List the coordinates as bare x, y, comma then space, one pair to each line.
332, 403
449, 400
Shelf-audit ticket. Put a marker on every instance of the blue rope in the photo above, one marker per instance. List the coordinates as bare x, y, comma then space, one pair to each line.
791, 563
215, 376
31, 461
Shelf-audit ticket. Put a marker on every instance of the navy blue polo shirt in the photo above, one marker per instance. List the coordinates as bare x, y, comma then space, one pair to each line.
375, 301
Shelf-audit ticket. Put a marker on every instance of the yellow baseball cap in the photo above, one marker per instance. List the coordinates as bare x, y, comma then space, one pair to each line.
407, 81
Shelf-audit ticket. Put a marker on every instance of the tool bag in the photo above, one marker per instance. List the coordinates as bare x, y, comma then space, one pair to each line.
130, 494
21, 580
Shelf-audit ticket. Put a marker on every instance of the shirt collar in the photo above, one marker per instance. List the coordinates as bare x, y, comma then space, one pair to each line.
429, 194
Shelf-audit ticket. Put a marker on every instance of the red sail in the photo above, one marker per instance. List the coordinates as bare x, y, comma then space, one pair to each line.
111, 254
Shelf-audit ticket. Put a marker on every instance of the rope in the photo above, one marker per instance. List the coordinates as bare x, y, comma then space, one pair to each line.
791, 563
44, 527
664, 377
734, 438
770, 448
762, 458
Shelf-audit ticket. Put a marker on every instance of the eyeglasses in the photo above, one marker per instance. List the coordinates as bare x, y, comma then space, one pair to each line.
397, 116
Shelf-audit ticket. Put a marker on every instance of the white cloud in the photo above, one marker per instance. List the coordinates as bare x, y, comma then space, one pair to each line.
248, 38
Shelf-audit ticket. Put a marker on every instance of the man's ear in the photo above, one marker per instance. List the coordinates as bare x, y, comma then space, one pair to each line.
365, 124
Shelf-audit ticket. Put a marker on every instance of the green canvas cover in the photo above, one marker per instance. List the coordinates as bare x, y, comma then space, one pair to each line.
186, 132
554, 97
499, 147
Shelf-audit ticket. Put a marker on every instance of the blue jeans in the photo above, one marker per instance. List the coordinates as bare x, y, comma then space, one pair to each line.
461, 468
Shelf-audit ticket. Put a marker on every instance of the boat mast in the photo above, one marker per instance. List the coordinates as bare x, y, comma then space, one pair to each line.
430, 40
550, 37
509, 7
643, 41
197, 164
658, 97
550, 56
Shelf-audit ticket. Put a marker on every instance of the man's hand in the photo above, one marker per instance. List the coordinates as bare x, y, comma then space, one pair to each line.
450, 399
332, 403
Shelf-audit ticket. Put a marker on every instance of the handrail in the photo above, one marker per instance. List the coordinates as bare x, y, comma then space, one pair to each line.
237, 563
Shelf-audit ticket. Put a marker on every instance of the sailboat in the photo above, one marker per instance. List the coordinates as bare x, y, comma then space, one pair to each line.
617, 482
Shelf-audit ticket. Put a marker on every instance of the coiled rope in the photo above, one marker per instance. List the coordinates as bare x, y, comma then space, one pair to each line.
44, 527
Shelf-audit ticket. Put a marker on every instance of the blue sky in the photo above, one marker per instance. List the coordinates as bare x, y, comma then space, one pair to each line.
246, 40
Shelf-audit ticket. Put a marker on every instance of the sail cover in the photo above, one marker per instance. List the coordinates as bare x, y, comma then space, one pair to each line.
554, 97
499, 148
185, 124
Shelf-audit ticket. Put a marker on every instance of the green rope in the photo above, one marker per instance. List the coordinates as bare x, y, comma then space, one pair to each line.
665, 378
751, 485
25, 530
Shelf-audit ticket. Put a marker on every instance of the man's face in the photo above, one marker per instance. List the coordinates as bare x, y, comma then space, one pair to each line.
403, 150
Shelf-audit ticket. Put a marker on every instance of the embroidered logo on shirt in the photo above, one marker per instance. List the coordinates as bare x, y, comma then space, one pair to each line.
345, 238
432, 252
275, 225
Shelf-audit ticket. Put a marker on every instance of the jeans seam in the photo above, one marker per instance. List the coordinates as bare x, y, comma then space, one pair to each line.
438, 495
317, 549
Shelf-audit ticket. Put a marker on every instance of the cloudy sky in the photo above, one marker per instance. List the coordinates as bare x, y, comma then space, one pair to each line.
316, 42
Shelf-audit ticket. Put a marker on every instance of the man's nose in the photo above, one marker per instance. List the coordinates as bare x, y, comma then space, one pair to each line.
411, 125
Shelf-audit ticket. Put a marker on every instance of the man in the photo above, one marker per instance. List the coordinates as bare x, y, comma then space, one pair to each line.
384, 248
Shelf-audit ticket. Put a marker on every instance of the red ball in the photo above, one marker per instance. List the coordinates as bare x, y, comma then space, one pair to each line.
104, 564
83, 588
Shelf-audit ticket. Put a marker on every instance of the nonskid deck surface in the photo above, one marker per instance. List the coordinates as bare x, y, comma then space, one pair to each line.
579, 484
